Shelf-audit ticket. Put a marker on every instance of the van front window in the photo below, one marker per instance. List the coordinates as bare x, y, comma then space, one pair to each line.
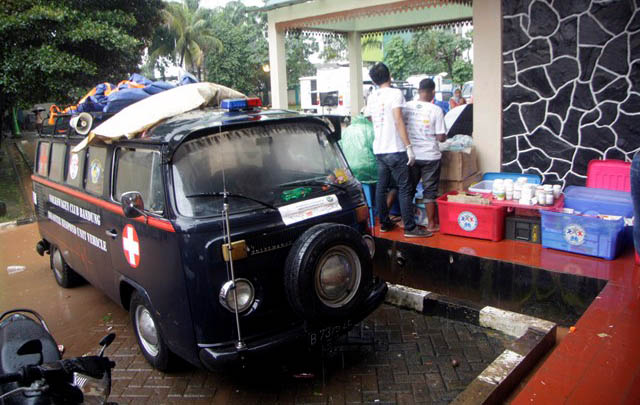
265, 166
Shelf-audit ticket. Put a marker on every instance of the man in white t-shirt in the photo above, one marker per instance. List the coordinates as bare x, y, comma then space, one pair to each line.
425, 126
394, 153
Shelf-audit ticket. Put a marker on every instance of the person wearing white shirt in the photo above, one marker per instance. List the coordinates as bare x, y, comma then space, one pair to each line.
394, 153
425, 127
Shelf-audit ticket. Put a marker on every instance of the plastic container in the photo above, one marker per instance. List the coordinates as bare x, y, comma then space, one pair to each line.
483, 187
486, 185
471, 220
598, 201
525, 229
531, 178
584, 235
609, 174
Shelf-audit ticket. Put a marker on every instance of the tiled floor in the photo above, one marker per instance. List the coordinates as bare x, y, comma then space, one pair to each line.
600, 361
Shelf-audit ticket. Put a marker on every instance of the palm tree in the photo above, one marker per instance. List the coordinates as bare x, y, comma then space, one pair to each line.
187, 24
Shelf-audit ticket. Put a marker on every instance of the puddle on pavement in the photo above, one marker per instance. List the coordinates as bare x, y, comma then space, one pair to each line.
560, 298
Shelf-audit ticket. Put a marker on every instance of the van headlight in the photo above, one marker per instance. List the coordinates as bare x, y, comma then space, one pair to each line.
244, 291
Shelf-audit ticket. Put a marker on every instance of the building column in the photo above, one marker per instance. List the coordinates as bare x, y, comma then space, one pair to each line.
487, 83
356, 97
278, 66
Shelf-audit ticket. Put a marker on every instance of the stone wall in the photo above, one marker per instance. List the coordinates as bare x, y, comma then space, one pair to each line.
571, 85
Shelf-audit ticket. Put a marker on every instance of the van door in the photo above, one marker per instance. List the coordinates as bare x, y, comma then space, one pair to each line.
136, 246
145, 249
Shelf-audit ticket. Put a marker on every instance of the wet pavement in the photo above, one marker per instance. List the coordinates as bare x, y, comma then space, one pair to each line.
394, 356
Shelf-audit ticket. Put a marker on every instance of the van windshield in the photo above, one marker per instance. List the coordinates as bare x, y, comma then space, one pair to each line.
262, 167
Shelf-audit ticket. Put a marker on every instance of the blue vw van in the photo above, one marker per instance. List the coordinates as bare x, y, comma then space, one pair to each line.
223, 233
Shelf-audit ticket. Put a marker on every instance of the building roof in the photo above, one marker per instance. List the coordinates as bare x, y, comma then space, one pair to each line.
273, 4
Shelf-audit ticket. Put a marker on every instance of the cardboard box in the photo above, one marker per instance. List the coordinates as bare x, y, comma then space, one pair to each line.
458, 165
463, 185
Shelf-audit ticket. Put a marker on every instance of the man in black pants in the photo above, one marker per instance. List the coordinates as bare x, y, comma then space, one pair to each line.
425, 126
393, 151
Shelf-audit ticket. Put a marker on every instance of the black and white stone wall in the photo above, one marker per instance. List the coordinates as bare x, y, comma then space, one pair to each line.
571, 85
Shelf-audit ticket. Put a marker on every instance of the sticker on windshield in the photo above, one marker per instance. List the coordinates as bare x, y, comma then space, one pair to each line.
312, 208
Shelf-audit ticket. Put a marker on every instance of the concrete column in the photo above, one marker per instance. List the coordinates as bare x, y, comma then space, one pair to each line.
278, 66
356, 97
487, 83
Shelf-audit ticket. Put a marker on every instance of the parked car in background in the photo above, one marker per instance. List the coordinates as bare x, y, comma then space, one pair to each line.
467, 92
444, 85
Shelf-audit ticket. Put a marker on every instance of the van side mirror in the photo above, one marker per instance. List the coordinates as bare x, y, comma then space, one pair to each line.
336, 123
132, 204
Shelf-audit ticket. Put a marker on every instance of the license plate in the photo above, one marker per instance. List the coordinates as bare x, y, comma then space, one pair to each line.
328, 333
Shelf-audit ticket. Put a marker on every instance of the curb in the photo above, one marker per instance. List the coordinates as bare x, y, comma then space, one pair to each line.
12, 224
534, 337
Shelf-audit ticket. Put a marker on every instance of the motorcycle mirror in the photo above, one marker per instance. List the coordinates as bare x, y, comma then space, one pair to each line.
106, 341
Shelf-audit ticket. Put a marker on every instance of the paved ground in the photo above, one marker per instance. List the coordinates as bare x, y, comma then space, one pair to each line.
408, 357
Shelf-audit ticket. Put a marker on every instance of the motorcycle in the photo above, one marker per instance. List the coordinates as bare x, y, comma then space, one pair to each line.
33, 372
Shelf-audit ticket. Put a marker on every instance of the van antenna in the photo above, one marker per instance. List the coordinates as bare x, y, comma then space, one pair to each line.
240, 345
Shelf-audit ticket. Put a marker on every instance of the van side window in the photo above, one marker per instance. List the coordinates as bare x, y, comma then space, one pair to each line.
43, 159
75, 168
96, 163
56, 170
139, 170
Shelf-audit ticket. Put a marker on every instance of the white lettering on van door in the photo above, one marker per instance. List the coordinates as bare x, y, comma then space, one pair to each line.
80, 233
75, 210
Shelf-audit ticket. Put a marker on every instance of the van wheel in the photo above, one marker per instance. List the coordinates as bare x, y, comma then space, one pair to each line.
65, 276
148, 334
332, 261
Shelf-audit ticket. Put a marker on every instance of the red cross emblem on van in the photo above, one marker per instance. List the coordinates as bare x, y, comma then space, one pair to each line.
131, 246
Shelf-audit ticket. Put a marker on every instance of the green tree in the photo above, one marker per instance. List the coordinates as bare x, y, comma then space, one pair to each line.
244, 50
189, 26
334, 48
399, 58
431, 51
298, 49
57, 49
462, 72
438, 50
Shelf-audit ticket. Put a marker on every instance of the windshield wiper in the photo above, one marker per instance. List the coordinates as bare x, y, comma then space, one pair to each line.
312, 182
221, 194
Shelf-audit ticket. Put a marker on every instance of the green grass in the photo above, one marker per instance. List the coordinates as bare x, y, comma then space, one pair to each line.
10, 190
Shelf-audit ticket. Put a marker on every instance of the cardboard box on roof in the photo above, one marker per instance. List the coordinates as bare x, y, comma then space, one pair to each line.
458, 165
462, 185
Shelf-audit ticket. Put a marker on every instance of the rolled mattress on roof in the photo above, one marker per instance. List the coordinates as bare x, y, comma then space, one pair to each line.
147, 112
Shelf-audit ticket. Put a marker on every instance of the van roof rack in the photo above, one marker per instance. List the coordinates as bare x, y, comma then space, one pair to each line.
63, 129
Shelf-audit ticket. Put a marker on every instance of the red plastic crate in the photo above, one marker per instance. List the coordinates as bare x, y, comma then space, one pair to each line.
609, 174
471, 220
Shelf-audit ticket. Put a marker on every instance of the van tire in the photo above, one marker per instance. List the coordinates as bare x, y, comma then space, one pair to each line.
153, 346
65, 276
301, 272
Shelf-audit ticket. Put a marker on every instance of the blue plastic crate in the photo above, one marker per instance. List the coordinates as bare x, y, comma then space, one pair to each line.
598, 201
531, 178
584, 235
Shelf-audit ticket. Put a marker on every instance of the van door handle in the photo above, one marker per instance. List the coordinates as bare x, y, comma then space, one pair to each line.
113, 233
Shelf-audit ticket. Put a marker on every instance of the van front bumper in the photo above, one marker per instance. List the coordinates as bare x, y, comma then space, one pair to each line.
215, 358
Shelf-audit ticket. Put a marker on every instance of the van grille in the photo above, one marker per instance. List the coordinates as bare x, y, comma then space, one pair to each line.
273, 241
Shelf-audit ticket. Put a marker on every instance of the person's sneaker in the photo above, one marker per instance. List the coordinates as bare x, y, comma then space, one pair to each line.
387, 227
417, 232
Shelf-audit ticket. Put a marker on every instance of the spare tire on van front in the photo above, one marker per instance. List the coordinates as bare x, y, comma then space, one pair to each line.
328, 273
